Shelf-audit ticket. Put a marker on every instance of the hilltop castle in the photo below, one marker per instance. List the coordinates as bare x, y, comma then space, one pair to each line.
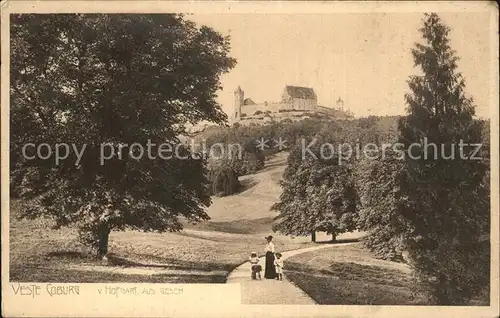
293, 98
296, 102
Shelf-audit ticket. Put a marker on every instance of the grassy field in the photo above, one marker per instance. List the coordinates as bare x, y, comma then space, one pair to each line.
204, 253
350, 275
40, 254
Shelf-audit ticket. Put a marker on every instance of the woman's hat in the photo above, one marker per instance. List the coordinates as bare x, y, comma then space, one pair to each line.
269, 237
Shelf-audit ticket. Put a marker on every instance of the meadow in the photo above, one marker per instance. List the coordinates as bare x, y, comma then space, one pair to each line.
202, 253
350, 275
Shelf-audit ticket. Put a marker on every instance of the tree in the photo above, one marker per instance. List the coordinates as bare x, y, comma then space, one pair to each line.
378, 182
117, 80
224, 180
446, 204
318, 190
237, 146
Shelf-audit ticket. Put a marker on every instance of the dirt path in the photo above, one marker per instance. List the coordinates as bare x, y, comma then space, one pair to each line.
270, 291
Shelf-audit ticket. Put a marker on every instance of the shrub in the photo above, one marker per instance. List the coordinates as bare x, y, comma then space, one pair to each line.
224, 180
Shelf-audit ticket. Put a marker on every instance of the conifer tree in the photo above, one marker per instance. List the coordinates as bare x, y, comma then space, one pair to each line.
444, 197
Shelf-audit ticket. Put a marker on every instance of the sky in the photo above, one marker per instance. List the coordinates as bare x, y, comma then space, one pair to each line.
363, 58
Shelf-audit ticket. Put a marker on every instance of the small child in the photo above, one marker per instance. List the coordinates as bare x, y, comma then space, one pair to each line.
278, 263
256, 268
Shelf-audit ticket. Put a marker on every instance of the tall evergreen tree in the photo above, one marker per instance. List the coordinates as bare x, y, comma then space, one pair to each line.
445, 197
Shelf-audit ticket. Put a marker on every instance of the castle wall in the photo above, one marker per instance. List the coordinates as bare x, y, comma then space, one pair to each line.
332, 112
288, 103
304, 104
273, 117
276, 107
250, 110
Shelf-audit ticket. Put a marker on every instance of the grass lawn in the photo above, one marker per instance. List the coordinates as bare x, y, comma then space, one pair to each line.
244, 226
40, 254
349, 275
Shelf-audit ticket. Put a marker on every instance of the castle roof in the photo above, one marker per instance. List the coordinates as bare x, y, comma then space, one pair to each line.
248, 101
300, 92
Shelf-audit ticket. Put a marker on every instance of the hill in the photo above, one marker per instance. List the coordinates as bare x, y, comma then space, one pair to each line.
249, 210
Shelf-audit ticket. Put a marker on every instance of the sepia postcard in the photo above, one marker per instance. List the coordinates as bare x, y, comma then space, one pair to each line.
250, 158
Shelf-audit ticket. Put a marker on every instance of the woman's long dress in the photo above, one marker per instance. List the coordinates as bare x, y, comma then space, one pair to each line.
270, 270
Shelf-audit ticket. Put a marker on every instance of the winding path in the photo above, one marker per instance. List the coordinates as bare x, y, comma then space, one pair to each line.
270, 291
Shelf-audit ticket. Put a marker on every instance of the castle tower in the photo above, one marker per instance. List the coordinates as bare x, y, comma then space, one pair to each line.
238, 102
340, 104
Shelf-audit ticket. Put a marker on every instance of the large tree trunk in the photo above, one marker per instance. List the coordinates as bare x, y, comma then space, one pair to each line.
334, 237
103, 238
313, 236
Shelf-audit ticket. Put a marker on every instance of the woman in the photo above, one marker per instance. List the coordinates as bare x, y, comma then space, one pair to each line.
270, 271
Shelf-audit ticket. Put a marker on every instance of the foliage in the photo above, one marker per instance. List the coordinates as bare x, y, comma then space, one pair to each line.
224, 180
91, 79
251, 155
378, 182
437, 207
367, 122
236, 146
318, 188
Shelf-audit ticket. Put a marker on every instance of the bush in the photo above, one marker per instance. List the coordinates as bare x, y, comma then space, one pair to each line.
251, 162
224, 180
368, 122
257, 112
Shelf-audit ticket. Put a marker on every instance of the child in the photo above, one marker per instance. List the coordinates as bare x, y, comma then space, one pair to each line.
256, 268
278, 263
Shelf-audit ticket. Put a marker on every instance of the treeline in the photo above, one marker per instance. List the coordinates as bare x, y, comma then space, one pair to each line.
241, 150
433, 214
319, 186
